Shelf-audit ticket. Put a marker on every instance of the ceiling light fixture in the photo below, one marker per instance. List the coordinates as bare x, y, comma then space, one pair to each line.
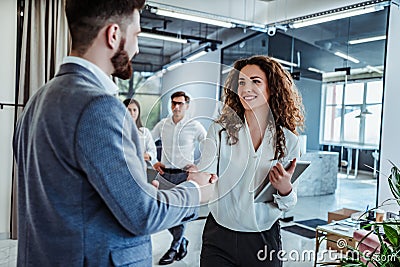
196, 55
366, 40
285, 62
317, 19
372, 68
315, 70
195, 18
363, 113
226, 70
174, 65
201, 52
212, 46
163, 37
342, 55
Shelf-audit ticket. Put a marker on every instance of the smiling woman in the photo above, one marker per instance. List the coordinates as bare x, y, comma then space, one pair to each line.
259, 121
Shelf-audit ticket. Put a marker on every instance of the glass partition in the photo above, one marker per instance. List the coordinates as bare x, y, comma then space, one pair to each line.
338, 67
146, 89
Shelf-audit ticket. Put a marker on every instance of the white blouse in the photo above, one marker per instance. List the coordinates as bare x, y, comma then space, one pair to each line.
241, 169
147, 144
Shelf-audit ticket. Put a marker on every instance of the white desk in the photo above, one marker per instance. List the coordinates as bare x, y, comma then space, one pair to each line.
357, 148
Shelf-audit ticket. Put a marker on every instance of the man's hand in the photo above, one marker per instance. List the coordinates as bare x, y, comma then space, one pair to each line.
280, 178
155, 183
147, 156
206, 182
158, 167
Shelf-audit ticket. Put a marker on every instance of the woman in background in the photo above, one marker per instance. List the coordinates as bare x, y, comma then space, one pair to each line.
254, 135
147, 142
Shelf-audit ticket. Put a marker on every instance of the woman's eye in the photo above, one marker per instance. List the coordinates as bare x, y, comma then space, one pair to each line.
242, 83
256, 81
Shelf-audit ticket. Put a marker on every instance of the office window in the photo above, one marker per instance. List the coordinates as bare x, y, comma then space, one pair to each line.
352, 113
145, 88
333, 111
373, 112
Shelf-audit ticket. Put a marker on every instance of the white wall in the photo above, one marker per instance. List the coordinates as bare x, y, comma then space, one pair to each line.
390, 142
8, 10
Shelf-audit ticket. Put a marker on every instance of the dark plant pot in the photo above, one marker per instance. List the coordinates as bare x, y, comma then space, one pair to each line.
364, 224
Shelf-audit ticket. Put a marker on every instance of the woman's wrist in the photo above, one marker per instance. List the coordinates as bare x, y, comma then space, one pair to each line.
285, 191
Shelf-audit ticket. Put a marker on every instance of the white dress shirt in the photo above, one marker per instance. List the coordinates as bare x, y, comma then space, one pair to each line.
241, 169
147, 144
178, 141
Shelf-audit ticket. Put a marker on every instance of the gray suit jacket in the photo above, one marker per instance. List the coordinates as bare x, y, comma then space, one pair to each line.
83, 196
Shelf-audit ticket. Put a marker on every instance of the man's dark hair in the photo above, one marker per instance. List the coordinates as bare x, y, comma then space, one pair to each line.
180, 93
87, 17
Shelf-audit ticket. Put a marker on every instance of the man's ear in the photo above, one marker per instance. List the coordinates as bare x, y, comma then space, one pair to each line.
113, 36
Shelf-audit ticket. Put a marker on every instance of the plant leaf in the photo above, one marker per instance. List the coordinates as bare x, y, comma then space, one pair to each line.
394, 182
392, 235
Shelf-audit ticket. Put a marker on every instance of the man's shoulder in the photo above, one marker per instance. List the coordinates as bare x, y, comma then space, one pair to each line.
194, 123
163, 121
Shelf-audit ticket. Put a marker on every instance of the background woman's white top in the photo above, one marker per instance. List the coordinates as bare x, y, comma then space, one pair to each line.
241, 169
147, 143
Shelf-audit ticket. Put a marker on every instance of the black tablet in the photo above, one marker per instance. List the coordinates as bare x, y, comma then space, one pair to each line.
265, 193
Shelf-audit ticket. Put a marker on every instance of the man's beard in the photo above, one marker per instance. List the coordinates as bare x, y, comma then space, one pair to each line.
121, 62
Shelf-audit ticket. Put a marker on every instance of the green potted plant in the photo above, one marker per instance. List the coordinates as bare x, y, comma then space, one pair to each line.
387, 250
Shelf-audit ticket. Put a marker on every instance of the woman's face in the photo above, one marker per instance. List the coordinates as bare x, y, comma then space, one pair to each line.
134, 111
253, 87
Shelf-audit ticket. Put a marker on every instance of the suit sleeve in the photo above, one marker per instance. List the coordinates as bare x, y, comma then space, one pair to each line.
105, 147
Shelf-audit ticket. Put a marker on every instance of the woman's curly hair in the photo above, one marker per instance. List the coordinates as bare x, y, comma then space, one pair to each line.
284, 101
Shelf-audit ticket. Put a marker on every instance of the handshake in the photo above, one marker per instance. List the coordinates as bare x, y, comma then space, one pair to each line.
205, 180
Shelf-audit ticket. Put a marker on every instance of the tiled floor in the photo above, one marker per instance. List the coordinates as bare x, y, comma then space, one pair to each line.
351, 193
8, 253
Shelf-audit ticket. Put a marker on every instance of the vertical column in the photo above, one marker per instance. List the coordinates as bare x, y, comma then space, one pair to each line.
8, 16
389, 147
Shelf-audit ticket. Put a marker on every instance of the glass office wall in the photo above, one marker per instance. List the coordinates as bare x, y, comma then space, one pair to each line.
338, 63
145, 88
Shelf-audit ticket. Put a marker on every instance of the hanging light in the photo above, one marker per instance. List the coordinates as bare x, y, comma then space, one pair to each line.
363, 113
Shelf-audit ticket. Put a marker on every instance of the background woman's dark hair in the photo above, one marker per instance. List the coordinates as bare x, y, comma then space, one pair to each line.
284, 101
87, 17
134, 101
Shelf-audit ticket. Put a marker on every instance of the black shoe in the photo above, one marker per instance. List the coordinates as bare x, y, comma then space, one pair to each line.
168, 257
182, 249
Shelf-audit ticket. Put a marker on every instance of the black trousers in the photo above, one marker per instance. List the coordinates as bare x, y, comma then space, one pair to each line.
177, 231
224, 247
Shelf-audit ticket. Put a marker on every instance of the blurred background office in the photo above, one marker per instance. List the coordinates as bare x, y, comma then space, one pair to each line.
342, 54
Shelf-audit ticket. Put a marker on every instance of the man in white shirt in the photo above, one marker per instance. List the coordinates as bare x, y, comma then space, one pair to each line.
178, 135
